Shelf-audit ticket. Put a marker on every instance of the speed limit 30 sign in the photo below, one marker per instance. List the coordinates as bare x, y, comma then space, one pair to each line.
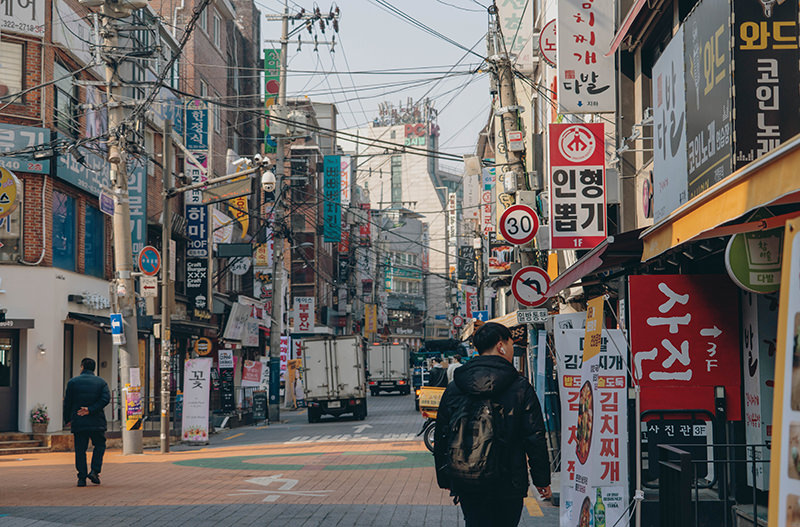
519, 224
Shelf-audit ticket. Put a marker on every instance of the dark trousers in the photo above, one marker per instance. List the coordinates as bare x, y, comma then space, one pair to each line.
482, 511
98, 438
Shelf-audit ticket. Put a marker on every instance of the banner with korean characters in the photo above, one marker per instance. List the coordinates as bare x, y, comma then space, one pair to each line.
784, 481
332, 207
487, 200
196, 389
707, 58
304, 314
13, 138
587, 78
594, 417
685, 341
669, 127
759, 333
284, 352
272, 77
765, 54
577, 185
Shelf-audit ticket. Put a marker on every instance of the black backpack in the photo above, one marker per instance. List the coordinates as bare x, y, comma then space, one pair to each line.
476, 449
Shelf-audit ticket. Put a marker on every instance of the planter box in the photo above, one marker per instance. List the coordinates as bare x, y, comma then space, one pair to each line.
39, 428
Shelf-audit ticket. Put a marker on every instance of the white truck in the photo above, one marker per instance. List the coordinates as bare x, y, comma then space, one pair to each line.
388, 368
334, 377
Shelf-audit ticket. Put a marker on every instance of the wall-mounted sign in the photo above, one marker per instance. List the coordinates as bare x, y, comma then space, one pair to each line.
202, 346
753, 260
332, 208
548, 40
10, 192
25, 18
240, 266
13, 138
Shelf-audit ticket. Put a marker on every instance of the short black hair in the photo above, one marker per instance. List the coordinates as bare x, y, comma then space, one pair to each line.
488, 335
88, 364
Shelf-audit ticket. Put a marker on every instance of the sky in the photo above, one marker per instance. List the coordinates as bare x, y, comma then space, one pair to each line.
370, 38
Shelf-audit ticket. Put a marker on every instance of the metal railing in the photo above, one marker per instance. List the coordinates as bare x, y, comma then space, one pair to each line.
679, 484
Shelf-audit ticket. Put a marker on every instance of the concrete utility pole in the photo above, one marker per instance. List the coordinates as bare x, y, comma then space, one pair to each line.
280, 111
166, 239
124, 286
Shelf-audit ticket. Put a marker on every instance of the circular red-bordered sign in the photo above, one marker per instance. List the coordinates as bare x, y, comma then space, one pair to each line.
458, 321
530, 286
149, 261
519, 224
548, 42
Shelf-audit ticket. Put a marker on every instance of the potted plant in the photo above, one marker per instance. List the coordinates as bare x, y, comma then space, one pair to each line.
39, 419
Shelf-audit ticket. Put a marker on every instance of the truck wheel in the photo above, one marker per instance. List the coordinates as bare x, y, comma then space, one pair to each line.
416, 404
313, 415
374, 393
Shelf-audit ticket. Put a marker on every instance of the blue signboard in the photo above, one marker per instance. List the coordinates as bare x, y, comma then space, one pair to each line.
197, 231
483, 316
107, 204
196, 125
137, 197
90, 175
116, 323
14, 138
332, 208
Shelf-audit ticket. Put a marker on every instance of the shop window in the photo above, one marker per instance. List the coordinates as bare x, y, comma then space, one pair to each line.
63, 231
66, 101
94, 237
11, 72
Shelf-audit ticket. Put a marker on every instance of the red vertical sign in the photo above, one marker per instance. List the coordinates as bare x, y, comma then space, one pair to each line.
685, 341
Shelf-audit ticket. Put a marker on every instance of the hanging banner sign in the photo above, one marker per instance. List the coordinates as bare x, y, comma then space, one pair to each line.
226, 375
196, 389
304, 314
784, 488
594, 417
137, 199
587, 78
685, 341
197, 282
577, 185
346, 181
332, 207
286, 346
272, 77
594, 325
196, 125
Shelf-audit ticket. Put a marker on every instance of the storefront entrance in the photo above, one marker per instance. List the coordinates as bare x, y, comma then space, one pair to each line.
9, 381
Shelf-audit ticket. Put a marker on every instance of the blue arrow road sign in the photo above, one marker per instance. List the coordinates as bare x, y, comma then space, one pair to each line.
483, 316
116, 323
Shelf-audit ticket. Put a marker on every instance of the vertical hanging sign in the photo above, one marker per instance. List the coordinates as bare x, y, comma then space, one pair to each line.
196, 211
196, 388
346, 180
137, 197
332, 208
577, 185
272, 78
587, 78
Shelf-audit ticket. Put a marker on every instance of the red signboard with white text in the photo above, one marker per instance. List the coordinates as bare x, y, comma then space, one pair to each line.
685, 341
577, 185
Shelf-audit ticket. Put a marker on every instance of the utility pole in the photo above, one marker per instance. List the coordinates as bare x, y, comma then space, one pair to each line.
124, 286
278, 130
166, 239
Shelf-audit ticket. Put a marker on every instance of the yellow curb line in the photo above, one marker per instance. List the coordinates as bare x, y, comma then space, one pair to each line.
234, 435
533, 507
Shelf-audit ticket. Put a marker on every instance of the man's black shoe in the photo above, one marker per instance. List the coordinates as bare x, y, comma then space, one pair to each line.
93, 477
82, 482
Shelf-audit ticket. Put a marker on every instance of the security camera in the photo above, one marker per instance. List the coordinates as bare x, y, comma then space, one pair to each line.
268, 181
241, 161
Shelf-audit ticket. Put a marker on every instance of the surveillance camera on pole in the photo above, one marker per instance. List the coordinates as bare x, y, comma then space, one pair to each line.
268, 181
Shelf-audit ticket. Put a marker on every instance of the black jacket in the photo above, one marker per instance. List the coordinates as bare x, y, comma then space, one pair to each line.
522, 422
91, 391
437, 376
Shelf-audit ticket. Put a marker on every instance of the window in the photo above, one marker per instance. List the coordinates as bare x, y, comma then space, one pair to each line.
11, 72
93, 245
66, 101
217, 31
217, 110
397, 181
63, 231
204, 19
203, 89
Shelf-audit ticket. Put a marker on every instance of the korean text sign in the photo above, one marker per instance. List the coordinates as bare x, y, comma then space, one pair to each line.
332, 208
286, 346
303, 314
594, 450
577, 185
587, 79
685, 341
196, 388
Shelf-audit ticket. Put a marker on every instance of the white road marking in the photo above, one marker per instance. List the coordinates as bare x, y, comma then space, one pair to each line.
344, 438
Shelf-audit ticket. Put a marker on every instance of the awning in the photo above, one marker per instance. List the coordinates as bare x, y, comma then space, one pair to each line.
95, 321
191, 326
626, 26
616, 250
771, 180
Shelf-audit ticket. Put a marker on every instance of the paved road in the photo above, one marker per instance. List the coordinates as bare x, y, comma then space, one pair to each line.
293, 474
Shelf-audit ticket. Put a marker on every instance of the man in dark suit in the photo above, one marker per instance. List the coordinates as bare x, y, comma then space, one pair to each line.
86, 397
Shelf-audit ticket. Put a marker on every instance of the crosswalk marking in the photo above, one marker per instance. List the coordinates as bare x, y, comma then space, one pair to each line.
351, 437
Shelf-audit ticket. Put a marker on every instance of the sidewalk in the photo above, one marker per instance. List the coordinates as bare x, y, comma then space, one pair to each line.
317, 484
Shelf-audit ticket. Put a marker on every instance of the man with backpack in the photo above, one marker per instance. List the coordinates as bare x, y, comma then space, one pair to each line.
489, 421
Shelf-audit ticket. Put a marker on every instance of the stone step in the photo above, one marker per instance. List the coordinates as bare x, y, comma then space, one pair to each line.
20, 444
20, 451
15, 436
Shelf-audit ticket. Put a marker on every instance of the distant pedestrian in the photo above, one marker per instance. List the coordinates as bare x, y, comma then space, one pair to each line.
437, 375
455, 363
489, 421
86, 397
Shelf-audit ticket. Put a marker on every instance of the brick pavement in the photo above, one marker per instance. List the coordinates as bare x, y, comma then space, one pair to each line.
314, 484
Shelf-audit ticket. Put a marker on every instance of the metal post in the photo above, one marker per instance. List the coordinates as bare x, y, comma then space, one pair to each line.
277, 236
125, 291
166, 238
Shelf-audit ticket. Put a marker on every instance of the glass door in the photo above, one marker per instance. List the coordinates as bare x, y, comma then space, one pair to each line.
9, 381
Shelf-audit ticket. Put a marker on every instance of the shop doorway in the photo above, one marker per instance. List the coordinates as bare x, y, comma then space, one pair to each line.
9, 381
